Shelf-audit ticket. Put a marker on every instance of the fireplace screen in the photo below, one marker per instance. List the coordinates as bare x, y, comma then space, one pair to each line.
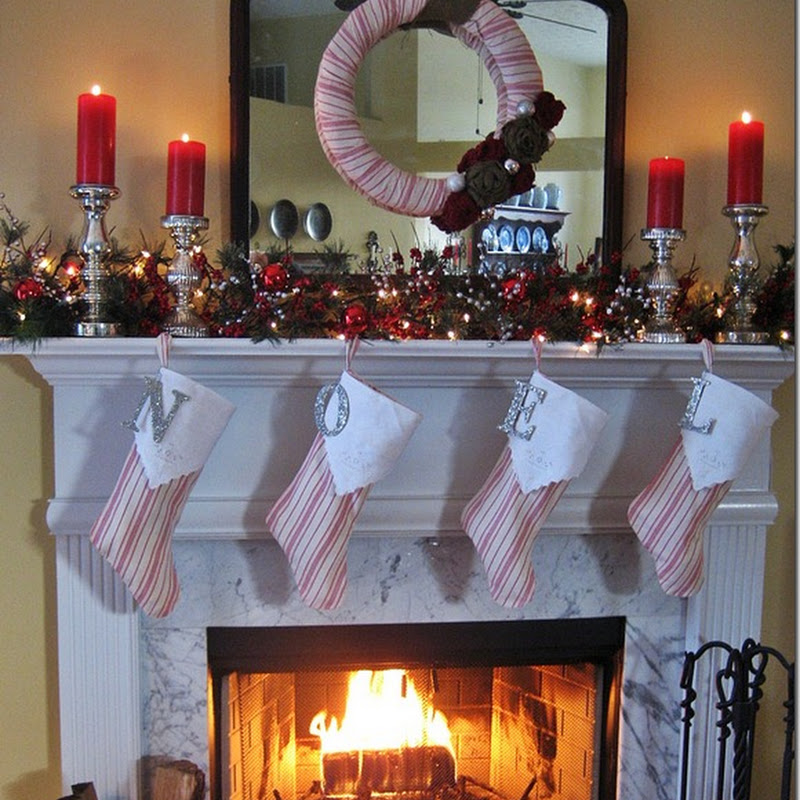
423, 728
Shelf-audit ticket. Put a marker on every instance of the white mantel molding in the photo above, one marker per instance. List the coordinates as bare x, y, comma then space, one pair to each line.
439, 373
428, 363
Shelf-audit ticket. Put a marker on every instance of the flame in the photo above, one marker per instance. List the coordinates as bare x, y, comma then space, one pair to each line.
383, 711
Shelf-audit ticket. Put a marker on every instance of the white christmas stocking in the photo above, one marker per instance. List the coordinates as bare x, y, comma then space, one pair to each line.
176, 425
361, 433
720, 427
551, 432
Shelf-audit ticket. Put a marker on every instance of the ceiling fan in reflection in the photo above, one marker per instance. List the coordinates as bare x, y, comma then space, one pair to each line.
511, 7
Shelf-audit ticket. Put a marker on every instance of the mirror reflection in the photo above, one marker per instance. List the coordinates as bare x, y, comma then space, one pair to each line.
423, 100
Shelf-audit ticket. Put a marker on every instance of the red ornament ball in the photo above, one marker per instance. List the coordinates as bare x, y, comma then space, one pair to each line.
275, 277
355, 319
28, 288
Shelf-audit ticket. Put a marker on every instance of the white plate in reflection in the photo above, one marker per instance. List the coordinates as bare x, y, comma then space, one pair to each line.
523, 238
489, 237
506, 237
540, 243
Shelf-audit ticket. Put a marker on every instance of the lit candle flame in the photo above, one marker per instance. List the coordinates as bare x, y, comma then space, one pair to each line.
185, 137
96, 90
747, 117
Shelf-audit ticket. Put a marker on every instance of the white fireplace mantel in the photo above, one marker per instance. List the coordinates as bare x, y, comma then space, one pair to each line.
107, 658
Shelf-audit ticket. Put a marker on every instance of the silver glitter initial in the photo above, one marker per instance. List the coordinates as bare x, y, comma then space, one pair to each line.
518, 409
687, 422
155, 394
342, 408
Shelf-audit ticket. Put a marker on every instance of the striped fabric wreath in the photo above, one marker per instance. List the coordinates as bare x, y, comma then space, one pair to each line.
496, 169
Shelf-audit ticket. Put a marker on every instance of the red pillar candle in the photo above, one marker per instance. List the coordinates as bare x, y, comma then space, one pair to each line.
745, 161
97, 131
186, 177
665, 193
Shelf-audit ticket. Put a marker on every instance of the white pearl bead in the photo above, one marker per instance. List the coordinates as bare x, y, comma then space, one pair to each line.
551, 138
456, 182
524, 107
511, 166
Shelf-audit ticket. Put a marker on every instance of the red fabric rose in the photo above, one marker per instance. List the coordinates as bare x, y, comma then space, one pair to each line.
523, 180
490, 149
549, 111
459, 212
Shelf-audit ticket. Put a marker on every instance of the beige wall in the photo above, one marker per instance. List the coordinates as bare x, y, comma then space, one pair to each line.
693, 65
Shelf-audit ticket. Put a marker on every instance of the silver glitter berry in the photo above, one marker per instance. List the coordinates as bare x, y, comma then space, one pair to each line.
524, 107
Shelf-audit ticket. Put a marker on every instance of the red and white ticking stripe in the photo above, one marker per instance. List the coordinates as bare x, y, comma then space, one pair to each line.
490, 32
503, 523
134, 534
312, 524
669, 517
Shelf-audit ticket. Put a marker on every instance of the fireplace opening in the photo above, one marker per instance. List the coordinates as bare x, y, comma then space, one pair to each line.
518, 710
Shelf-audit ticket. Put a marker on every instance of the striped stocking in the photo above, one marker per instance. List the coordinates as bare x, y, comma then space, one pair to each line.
669, 517
722, 425
176, 425
360, 435
134, 534
551, 432
312, 524
503, 523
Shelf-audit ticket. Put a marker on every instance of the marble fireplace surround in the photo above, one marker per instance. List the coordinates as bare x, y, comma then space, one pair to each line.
131, 686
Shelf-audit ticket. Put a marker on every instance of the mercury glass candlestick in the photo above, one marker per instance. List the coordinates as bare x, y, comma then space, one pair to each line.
94, 248
183, 276
743, 265
663, 285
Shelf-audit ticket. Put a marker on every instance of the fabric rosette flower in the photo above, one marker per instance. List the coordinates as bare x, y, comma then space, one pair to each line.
459, 212
548, 111
489, 183
490, 149
484, 169
526, 140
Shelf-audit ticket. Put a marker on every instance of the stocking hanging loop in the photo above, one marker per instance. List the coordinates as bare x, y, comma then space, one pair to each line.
707, 351
163, 346
350, 351
538, 344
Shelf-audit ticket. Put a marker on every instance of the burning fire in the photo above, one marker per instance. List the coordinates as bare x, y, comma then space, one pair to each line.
383, 711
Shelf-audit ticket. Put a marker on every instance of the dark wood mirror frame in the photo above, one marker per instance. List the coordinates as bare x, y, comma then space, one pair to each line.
616, 80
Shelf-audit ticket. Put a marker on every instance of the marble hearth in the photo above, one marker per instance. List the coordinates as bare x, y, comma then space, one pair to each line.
132, 686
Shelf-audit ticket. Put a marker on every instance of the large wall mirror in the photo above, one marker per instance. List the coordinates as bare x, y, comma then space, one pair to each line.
423, 100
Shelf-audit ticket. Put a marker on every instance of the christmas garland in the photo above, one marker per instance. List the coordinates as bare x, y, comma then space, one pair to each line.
266, 296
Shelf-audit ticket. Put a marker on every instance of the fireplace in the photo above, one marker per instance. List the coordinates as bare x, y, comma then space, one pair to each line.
131, 686
443, 711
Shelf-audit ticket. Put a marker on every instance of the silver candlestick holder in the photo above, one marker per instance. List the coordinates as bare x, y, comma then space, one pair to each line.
182, 275
743, 265
662, 284
94, 249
